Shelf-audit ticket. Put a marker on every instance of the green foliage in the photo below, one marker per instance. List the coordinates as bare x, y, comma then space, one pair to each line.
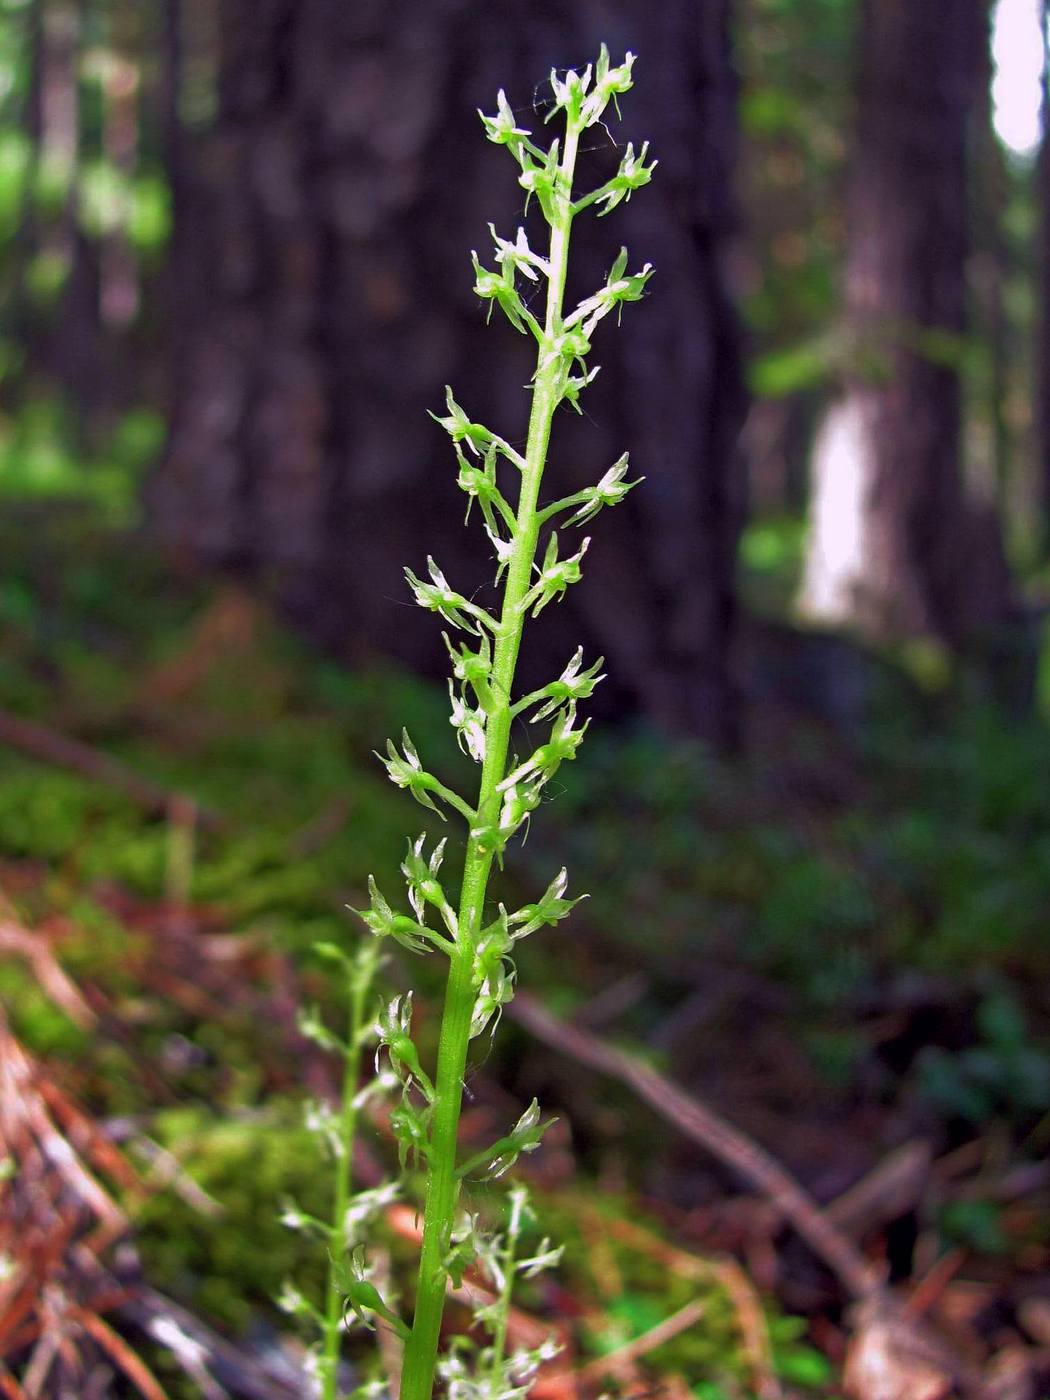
649, 1293
795, 58
794, 1360
790, 369
108, 200
1004, 1074
974, 1224
149, 213
933, 860
37, 460
35, 1018
15, 156
234, 1262
940, 866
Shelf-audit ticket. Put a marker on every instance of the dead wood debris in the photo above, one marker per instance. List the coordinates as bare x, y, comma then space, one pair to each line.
61, 1231
700, 1123
893, 1354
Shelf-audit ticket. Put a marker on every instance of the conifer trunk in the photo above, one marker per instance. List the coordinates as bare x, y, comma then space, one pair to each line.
330, 209
898, 545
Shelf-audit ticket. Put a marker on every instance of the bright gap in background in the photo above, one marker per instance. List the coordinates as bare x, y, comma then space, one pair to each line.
1017, 56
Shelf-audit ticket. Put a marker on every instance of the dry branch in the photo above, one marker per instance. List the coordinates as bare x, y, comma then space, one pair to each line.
706, 1128
886, 1339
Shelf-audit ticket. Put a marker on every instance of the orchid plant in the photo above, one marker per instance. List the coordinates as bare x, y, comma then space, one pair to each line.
531, 572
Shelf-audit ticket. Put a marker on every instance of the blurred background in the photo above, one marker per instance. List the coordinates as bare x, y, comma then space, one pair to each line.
814, 815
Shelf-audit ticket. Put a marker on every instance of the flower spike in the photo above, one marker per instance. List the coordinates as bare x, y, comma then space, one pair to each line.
529, 575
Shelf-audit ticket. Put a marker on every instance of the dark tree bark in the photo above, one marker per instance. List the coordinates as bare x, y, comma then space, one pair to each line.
898, 546
333, 209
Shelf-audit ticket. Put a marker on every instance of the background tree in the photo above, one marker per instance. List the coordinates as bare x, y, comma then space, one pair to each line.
84, 216
795, 105
1042, 357
898, 545
336, 304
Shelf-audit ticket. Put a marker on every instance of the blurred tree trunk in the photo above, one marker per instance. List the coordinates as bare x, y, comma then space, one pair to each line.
333, 209
119, 292
1042, 386
897, 545
57, 306
991, 271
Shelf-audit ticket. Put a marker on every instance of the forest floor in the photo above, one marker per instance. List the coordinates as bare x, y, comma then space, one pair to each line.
837, 945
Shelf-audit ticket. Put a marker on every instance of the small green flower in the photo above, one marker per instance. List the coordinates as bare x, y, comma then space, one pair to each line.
474, 668
609, 83
500, 289
547, 759
632, 175
469, 724
568, 347
460, 428
312, 1028
363, 1298
619, 289
479, 484
549, 909
610, 491
385, 923
501, 128
424, 887
555, 576
572, 386
410, 1124
363, 1209
541, 179
437, 596
569, 93
291, 1301
573, 684
394, 1027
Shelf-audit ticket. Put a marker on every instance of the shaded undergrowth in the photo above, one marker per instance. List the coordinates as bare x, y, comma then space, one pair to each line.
855, 927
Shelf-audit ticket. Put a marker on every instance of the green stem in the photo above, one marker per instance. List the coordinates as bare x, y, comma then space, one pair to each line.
360, 980
442, 1186
578, 499
498, 1351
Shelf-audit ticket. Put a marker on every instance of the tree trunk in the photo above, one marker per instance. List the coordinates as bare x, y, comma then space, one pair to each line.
897, 546
345, 182
1042, 385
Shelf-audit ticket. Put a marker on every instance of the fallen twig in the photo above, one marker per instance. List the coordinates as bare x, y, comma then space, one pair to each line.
890, 1190
754, 1333
882, 1326
194, 1344
36, 950
705, 1127
117, 1349
617, 1362
51, 746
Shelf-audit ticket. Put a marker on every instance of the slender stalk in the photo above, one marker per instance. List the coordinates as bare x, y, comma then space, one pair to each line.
421, 1350
360, 976
499, 1341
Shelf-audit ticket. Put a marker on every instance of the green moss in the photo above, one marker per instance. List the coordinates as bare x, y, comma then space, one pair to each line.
34, 1017
234, 1263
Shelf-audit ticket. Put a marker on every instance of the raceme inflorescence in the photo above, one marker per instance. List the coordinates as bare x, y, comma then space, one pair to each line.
535, 565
